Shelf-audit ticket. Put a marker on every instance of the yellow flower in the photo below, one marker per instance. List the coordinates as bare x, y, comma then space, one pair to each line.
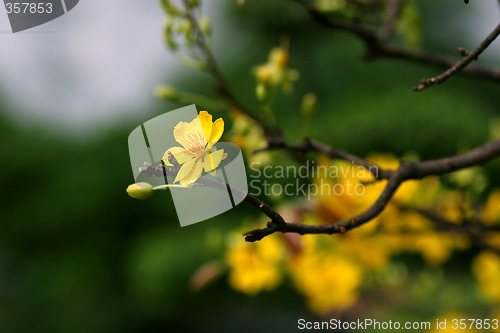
435, 248
275, 72
197, 152
329, 281
486, 269
491, 212
254, 267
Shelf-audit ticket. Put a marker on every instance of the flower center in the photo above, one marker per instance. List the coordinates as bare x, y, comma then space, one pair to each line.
195, 143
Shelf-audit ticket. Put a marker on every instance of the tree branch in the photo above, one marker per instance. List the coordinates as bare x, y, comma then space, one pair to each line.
278, 142
339, 227
461, 64
377, 47
406, 171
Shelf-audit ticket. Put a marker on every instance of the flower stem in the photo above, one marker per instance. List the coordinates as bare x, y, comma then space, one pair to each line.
161, 187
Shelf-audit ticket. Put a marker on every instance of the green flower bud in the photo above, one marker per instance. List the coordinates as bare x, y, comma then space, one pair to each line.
182, 27
262, 92
140, 190
188, 32
169, 8
205, 25
167, 92
169, 24
309, 102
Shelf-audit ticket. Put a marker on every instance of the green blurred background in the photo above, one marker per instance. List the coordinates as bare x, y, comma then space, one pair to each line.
78, 255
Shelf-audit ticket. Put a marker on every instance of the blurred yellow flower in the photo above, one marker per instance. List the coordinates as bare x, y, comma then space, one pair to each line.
394, 230
254, 267
486, 269
493, 239
435, 248
491, 211
275, 72
197, 152
373, 251
455, 207
329, 281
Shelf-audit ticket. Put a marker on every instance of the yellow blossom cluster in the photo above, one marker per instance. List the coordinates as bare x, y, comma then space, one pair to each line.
398, 228
254, 266
330, 270
274, 73
327, 279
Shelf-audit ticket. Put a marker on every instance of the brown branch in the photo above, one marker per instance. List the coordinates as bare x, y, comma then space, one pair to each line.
476, 156
278, 142
406, 171
377, 47
339, 227
470, 56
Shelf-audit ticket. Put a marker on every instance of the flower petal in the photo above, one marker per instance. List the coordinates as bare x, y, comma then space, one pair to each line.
185, 169
217, 130
181, 155
212, 160
206, 124
194, 174
184, 131
207, 164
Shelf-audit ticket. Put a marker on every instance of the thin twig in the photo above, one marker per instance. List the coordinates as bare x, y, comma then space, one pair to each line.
278, 142
377, 47
407, 170
461, 64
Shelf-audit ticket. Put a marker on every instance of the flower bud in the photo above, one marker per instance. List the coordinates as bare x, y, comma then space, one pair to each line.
167, 92
308, 107
169, 8
205, 25
141, 190
262, 92
279, 57
167, 33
